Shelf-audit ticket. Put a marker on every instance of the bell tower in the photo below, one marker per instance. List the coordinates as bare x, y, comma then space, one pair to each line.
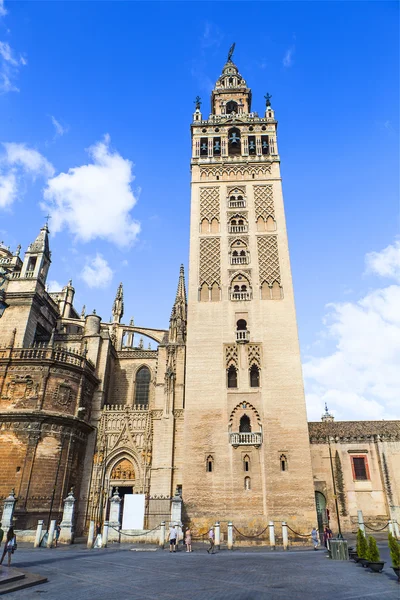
246, 434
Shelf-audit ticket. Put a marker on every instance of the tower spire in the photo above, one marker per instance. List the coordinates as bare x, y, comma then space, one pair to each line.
118, 306
177, 322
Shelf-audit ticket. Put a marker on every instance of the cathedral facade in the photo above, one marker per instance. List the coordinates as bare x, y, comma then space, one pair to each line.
213, 409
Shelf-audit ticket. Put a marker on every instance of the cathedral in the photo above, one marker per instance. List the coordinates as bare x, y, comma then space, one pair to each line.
213, 410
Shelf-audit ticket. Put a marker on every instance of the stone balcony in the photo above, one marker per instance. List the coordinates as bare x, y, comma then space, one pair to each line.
246, 439
239, 260
237, 203
242, 336
237, 228
239, 296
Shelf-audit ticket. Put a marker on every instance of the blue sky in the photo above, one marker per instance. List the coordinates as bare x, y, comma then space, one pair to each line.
107, 89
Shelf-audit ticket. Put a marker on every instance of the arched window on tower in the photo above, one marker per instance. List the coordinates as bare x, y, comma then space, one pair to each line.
234, 144
245, 424
142, 387
232, 377
209, 464
247, 483
231, 107
254, 376
283, 461
246, 463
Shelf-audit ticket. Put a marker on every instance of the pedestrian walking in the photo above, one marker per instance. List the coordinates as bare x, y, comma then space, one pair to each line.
10, 546
1, 534
211, 540
188, 540
315, 538
58, 531
172, 538
327, 536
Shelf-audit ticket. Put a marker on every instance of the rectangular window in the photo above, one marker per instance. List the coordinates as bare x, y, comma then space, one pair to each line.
264, 144
360, 468
252, 144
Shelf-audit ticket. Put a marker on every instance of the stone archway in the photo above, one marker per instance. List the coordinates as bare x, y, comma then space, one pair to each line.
320, 504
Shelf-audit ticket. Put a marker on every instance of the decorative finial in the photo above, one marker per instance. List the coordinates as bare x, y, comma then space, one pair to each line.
132, 322
141, 343
94, 312
267, 99
18, 250
231, 51
83, 311
197, 102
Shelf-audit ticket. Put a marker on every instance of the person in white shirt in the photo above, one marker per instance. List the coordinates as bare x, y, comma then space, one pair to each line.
172, 538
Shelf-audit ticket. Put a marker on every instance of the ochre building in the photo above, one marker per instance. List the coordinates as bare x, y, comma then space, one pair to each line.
213, 409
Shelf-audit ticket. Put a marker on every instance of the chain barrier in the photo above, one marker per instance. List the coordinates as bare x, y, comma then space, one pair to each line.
250, 537
299, 534
372, 529
134, 534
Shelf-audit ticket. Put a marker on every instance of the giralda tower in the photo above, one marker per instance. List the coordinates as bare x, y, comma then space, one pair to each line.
247, 454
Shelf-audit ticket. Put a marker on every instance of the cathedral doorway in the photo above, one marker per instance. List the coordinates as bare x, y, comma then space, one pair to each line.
122, 477
320, 503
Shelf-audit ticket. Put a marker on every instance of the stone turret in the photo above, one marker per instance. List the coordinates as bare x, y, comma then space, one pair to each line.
177, 322
118, 306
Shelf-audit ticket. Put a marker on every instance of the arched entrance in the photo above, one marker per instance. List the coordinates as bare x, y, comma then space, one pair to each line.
320, 503
123, 477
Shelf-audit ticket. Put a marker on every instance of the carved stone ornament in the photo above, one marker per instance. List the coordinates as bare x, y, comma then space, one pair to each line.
63, 394
21, 388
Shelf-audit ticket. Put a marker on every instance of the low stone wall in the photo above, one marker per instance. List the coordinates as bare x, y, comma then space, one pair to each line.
134, 536
26, 535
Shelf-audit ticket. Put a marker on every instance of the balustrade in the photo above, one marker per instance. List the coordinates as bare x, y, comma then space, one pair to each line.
240, 296
242, 336
239, 260
237, 228
237, 203
246, 439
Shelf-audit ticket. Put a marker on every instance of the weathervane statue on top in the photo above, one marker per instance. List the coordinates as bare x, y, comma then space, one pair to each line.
231, 51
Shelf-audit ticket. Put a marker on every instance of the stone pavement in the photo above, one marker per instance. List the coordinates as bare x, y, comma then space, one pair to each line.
244, 574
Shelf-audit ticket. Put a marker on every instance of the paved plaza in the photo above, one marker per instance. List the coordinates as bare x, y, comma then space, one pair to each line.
243, 574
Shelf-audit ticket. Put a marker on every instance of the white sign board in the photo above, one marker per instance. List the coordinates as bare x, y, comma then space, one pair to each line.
133, 517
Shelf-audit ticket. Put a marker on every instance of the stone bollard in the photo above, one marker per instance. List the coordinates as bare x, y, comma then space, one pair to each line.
361, 521
51, 533
285, 536
115, 507
67, 523
217, 535
391, 528
230, 536
90, 539
162, 535
8, 510
105, 535
271, 534
38, 536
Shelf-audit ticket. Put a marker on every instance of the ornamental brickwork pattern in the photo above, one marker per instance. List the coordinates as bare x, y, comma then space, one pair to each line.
209, 203
268, 259
263, 201
210, 261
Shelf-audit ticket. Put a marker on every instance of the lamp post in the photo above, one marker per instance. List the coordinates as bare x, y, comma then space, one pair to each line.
334, 489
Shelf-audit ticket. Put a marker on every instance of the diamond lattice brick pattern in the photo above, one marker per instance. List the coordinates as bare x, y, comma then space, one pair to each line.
264, 201
254, 354
268, 259
231, 355
210, 261
209, 203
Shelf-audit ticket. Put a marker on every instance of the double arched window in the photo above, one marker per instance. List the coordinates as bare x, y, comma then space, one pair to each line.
142, 387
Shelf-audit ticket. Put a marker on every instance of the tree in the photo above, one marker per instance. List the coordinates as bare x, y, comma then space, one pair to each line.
394, 548
362, 544
373, 551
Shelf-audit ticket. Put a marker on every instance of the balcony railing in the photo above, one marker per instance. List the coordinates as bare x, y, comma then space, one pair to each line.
41, 354
237, 296
242, 336
239, 260
237, 228
246, 439
29, 274
237, 203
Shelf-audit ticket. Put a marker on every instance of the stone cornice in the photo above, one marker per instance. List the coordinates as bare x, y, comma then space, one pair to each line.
353, 431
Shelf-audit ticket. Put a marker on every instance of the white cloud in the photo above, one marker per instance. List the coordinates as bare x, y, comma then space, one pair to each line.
17, 161
28, 159
385, 263
211, 36
60, 129
97, 273
3, 11
8, 189
54, 286
9, 68
288, 58
360, 379
95, 200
